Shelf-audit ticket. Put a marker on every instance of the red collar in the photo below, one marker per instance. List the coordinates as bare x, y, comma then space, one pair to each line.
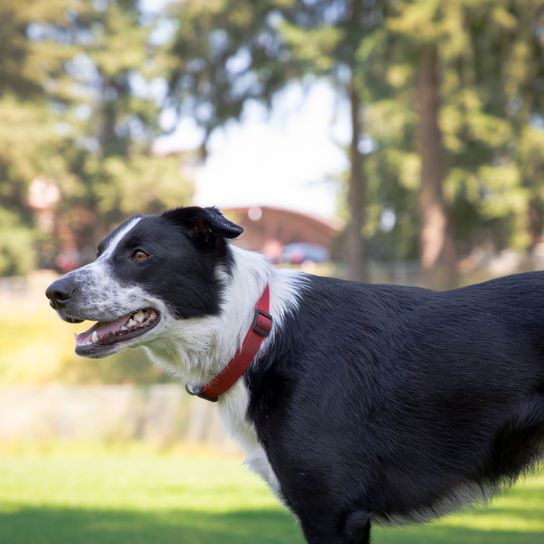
259, 330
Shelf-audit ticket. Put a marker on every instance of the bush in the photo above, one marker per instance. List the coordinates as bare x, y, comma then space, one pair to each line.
17, 253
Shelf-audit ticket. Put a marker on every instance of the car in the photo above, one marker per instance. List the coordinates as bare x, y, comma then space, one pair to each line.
298, 253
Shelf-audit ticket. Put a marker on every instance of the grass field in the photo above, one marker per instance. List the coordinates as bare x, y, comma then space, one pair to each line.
135, 497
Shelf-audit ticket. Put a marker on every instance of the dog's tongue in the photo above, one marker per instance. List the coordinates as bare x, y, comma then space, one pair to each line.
102, 329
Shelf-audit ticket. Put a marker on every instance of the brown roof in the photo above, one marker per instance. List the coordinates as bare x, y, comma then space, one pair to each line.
263, 224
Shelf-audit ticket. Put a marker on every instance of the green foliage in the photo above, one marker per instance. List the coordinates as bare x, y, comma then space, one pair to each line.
127, 183
491, 64
26, 65
30, 148
491, 68
79, 104
17, 255
78, 110
225, 53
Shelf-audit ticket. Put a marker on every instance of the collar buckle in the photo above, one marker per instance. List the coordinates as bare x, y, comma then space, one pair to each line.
197, 392
262, 323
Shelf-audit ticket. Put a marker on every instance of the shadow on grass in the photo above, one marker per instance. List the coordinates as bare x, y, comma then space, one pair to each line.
453, 535
91, 526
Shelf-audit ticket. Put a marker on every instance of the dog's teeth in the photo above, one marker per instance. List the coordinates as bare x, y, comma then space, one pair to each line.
131, 323
139, 316
123, 328
94, 337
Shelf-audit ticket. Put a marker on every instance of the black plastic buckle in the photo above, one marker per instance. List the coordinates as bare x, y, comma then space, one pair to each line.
197, 392
260, 327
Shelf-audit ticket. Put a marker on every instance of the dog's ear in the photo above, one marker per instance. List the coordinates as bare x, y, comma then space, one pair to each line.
204, 224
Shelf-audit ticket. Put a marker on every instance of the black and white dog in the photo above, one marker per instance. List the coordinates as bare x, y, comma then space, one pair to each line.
365, 402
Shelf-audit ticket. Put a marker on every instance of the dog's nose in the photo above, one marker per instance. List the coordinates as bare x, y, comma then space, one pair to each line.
60, 292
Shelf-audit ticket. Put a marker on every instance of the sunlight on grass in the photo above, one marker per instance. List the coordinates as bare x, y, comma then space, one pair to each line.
521, 510
514, 518
114, 497
127, 496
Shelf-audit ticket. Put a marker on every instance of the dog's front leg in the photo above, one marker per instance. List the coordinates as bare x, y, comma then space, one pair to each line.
354, 529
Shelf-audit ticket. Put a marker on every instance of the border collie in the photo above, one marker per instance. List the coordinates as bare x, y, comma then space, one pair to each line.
364, 403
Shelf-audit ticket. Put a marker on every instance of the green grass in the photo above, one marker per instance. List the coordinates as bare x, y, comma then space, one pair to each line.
111, 496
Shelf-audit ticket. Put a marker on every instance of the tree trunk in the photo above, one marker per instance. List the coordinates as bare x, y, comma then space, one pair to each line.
356, 194
437, 247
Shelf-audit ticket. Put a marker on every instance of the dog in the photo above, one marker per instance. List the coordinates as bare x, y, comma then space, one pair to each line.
356, 403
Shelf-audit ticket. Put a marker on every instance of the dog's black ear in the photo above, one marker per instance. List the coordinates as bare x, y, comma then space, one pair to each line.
201, 224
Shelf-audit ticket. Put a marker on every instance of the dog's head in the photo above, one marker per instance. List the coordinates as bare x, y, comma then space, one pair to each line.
149, 272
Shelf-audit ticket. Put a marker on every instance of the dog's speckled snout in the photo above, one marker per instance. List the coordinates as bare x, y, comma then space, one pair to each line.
60, 292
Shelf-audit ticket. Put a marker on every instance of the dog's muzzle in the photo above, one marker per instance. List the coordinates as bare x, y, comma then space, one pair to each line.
59, 294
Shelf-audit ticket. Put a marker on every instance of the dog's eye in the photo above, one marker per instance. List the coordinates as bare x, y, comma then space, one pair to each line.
139, 255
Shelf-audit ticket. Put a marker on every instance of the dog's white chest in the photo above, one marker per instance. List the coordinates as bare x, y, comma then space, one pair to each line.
233, 409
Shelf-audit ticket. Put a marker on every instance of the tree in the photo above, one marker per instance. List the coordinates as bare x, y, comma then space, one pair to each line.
30, 141
227, 53
423, 27
78, 112
114, 117
510, 74
437, 248
471, 69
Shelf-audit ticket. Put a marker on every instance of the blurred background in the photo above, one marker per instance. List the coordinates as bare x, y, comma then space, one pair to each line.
384, 140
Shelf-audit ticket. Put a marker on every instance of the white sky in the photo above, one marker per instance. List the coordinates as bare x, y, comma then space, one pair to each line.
286, 158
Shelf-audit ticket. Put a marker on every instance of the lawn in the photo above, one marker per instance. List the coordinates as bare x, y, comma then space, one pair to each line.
105, 496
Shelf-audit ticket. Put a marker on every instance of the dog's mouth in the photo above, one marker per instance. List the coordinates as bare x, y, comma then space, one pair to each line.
103, 335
